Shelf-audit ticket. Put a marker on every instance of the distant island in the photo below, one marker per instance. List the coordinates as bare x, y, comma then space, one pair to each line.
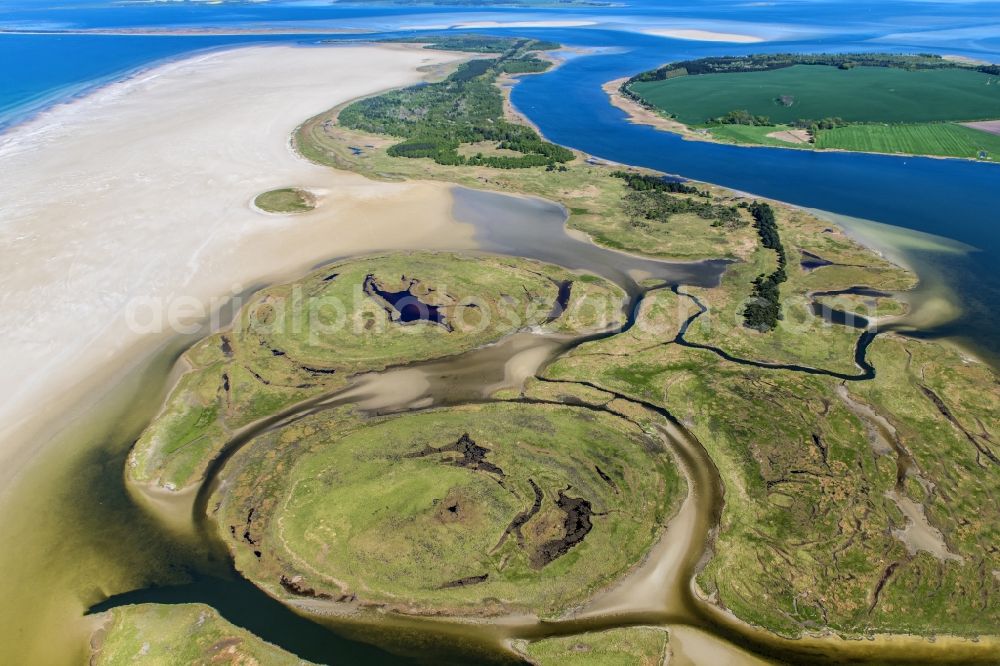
866, 102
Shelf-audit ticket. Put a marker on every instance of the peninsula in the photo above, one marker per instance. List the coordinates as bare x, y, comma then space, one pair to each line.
866, 102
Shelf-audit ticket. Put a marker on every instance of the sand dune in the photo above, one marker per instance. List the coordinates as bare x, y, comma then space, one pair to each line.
136, 199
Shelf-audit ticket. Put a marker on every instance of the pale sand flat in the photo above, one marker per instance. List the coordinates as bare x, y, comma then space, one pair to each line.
142, 190
704, 35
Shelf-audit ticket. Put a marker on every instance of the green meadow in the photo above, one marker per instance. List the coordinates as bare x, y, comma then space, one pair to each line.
628, 646
162, 635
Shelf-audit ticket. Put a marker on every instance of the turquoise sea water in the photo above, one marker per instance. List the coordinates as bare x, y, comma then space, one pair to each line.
44, 61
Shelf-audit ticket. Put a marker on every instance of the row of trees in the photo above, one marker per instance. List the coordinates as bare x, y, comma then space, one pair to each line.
822, 124
641, 182
741, 117
769, 61
763, 311
746, 118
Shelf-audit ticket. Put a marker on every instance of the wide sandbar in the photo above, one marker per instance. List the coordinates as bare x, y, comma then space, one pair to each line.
138, 197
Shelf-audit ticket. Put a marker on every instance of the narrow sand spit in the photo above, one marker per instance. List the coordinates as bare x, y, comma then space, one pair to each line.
704, 35
137, 199
692, 647
641, 115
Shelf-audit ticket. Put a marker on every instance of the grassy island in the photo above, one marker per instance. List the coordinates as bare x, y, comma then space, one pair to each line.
856, 506
162, 635
633, 646
299, 340
286, 200
476, 510
922, 105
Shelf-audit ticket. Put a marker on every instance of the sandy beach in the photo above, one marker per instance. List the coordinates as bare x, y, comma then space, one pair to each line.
136, 200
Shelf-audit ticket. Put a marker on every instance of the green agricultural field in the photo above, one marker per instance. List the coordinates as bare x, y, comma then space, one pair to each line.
945, 139
298, 340
476, 510
163, 635
861, 94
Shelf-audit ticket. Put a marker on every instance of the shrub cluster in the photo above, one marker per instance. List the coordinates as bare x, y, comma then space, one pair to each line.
435, 119
652, 198
763, 310
741, 117
525, 65
642, 182
823, 124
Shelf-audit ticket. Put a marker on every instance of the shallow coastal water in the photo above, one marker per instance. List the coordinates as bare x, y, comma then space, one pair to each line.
535, 228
